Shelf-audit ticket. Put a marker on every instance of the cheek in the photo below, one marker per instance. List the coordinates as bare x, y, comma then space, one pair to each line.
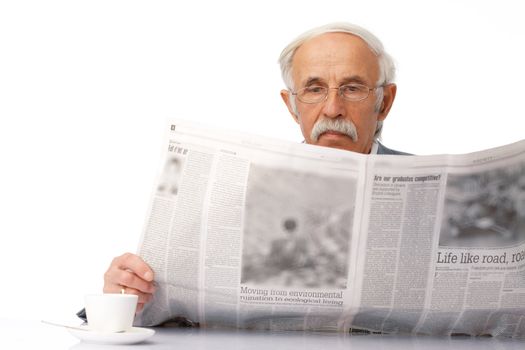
364, 118
307, 118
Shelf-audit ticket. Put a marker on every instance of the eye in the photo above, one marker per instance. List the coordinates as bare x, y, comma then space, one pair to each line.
315, 89
352, 88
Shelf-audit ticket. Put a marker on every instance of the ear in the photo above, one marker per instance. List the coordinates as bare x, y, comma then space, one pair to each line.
286, 96
389, 94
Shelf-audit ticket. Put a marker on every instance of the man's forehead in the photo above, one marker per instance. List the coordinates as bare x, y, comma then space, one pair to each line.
342, 54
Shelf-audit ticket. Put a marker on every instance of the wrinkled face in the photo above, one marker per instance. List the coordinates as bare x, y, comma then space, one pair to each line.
333, 60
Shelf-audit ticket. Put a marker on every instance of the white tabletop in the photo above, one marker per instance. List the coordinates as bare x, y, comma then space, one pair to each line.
17, 334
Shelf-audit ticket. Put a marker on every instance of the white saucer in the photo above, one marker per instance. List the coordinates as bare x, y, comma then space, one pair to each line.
134, 335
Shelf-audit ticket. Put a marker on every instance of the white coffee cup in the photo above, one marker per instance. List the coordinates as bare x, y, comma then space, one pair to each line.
110, 312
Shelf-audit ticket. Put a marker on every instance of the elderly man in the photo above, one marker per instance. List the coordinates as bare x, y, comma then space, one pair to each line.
340, 87
340, 90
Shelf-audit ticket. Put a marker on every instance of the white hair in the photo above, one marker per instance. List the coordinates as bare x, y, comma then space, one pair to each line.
387, 68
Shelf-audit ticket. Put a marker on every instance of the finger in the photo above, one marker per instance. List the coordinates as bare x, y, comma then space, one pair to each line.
139, 308
116, 279
135, 263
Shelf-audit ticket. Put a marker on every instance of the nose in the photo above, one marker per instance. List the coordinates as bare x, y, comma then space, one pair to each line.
333, 106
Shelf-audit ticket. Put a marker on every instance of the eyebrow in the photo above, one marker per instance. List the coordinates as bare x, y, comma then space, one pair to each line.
313, 80
351, 79
354, 79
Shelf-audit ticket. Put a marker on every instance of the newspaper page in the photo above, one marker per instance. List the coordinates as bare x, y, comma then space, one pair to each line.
443, 245
251, 232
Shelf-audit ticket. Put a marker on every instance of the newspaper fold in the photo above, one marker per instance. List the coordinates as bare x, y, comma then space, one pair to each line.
252, 232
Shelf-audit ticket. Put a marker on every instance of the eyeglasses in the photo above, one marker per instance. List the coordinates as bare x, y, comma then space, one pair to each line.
350, 92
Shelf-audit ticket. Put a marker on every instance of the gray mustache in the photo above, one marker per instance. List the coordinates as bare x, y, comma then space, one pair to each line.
342, 126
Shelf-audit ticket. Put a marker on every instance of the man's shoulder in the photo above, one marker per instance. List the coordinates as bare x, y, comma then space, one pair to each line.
381, 149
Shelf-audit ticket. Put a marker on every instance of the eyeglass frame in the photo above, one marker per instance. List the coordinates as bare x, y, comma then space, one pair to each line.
339, 92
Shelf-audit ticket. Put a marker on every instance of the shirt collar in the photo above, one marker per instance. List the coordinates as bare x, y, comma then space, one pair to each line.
374, 148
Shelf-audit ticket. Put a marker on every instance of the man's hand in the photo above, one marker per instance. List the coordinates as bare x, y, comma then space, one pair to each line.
131, 273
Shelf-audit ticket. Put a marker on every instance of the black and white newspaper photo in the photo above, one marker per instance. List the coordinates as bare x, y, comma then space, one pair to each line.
297, 229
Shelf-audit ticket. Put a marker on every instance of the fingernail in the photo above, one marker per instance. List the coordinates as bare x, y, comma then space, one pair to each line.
148, 276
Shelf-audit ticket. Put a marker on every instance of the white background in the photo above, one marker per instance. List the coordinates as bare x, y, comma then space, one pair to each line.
86, 87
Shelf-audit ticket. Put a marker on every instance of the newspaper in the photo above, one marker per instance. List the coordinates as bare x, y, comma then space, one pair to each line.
252, 232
